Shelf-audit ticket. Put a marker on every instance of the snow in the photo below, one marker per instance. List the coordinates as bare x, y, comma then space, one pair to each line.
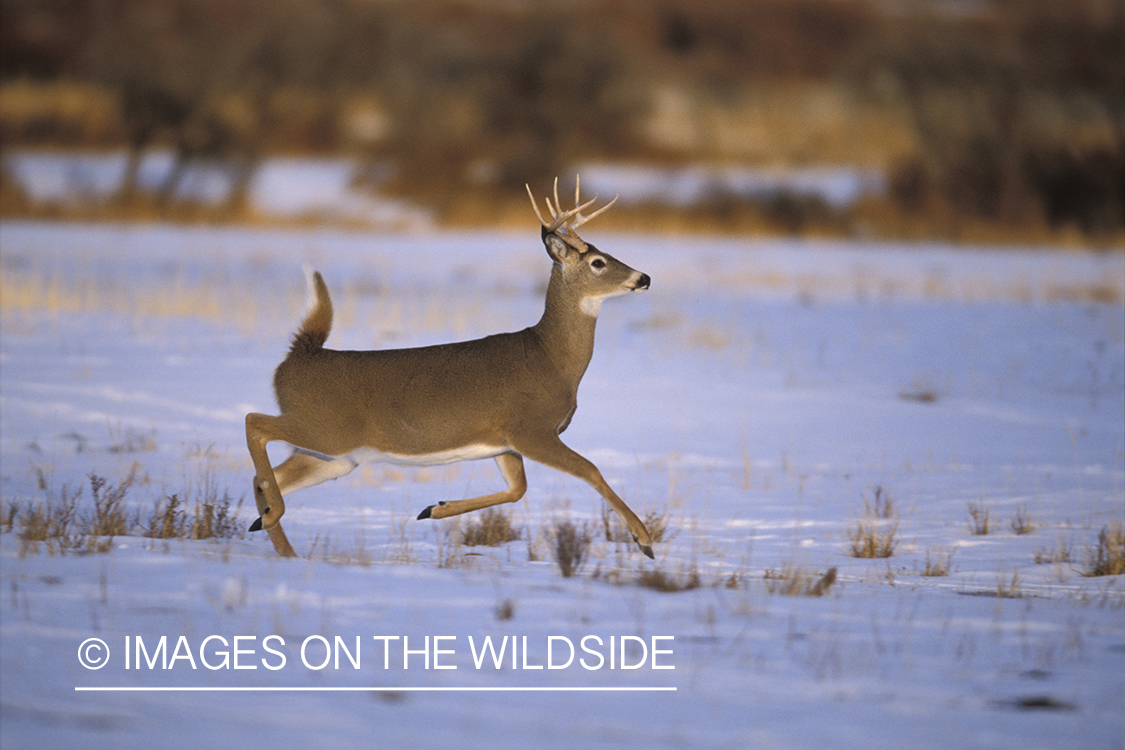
757, 397
325, 188
289, 187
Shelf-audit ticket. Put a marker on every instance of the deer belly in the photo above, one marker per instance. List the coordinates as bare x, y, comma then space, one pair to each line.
470, 452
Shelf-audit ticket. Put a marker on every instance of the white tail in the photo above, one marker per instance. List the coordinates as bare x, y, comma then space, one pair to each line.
505, 396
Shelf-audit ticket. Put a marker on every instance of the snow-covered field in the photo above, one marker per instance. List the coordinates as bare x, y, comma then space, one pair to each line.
757, 398
319, 188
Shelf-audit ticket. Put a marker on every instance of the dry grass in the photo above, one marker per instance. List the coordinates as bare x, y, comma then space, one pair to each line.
657, 523
795, 581
1062, 553
1021, 522
1107, 558
873, 540
571, 546
324, 549
980, 519
505, 610
490, 527
71, 520
53, 521
110, 515
658, 580
874, 535
937, 564
32, 290
1008, 588
212, 517
920, 395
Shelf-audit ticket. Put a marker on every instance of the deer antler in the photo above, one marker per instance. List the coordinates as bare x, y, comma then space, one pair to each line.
562, 219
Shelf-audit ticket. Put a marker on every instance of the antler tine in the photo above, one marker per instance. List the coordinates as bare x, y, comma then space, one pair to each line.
575, 212
583, 219
562, 218
559, 217
550, 226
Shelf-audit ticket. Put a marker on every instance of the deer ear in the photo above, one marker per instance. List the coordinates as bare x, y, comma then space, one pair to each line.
559, 251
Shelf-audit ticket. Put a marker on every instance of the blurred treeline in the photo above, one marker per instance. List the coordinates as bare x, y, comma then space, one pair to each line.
1007, 115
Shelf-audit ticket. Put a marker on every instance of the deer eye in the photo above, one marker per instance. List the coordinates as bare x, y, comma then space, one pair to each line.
597, 264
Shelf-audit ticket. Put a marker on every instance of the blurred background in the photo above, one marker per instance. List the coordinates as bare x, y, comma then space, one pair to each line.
959, 120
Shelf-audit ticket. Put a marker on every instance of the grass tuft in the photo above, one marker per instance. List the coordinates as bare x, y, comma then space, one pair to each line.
1060, 554
109, 517
881, 506
793, 581
937, 565
505, 610
1108, 557
489, 528
873, 536
211, 518
658, 580
1021, 522
872, 540
980, 519
1009, 589
54, 521
572, 543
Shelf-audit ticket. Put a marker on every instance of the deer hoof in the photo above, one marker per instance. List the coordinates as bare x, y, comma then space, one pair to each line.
428, 512
257, 525
647, 549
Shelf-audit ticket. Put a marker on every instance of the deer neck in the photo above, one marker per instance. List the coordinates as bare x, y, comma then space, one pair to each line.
566, 330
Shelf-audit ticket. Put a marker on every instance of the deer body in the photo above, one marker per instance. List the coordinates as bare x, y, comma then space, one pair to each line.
504, 396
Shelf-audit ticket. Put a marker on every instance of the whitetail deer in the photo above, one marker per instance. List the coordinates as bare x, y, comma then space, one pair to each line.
505, 396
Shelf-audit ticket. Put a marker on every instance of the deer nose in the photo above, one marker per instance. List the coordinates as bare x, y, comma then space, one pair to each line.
642, 283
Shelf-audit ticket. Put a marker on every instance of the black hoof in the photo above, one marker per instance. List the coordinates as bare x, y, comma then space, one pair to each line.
644, 548
257, 525
426, 513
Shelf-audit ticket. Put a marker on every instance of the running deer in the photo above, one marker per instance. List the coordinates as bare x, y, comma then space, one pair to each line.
506, 396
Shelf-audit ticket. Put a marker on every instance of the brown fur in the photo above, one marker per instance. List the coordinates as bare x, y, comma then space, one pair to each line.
506, 396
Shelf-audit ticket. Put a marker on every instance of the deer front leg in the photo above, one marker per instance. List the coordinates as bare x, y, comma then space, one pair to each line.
553, 452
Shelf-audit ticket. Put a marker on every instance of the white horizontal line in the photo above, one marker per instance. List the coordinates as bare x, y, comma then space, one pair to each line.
137, 689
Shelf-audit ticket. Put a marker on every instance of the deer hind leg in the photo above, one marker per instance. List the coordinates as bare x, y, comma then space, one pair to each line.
262, 429
300, 470
511, 467
305, 469
276, 533
556, 454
